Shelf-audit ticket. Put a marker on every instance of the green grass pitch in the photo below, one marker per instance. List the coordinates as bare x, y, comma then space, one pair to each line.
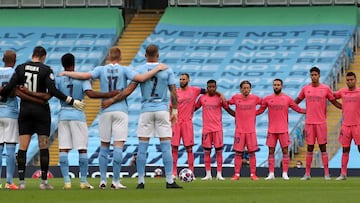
316, 190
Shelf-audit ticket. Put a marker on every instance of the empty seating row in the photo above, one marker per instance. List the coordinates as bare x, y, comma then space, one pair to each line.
260, 2
60, 3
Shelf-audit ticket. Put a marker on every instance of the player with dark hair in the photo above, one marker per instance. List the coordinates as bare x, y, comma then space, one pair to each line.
212, 132
316, 95
183, 128
72, 128
113, 122
350, 128
35, 117
278, 105
245, 133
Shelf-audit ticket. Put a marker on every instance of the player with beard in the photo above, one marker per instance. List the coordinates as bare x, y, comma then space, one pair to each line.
183, 128
278, 105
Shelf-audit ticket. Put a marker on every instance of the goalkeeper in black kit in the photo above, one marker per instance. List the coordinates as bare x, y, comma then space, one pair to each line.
37, 80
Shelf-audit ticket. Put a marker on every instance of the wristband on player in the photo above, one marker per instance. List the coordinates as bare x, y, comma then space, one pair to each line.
69, 100
174, 111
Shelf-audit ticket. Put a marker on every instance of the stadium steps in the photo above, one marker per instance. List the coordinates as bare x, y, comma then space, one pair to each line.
333, 119
54, 152
139, 28
92, 105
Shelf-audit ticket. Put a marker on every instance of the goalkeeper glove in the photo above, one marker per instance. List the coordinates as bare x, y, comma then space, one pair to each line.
77, 104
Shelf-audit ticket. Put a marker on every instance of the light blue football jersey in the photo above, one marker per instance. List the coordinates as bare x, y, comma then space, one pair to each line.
155, 91
8, 109
113, 77
76, 89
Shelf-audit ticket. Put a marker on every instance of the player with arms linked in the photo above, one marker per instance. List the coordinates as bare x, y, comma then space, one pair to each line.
212, 131
315, 95
113, 122
183, 128
154, 118
72, 128
350, 128
35, 117
278, 105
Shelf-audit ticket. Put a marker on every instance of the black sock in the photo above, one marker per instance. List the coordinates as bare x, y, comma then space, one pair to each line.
44, 163
21, 159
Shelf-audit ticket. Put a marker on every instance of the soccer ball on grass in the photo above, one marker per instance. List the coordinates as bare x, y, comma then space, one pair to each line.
186, 175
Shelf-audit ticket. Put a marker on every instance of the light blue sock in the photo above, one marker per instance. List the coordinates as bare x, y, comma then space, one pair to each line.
10, 162
64, 166
103, 162
141, 160
83, 165
165, 147
117, 159
1, 151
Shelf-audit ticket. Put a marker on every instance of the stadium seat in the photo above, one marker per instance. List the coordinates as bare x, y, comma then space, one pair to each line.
254, 2
232, 2
75, 3
116, 3
210, 2
277, 2
188, 2
172, 3
31, 3
322, 2
98, 3
299, 2
53, 3
9, 3
346, 2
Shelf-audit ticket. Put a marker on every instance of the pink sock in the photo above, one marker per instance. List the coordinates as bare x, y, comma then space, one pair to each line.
175, 159
252, 163
237, 163
190, 156
344, 163
325, 160
309, 157
219, 160
285, 163
207, 160
271, 162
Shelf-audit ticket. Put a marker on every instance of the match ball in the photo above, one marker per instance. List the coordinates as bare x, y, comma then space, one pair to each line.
158, 172
186, 175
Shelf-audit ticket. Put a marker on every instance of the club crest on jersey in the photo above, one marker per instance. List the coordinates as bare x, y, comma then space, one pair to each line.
51, 76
